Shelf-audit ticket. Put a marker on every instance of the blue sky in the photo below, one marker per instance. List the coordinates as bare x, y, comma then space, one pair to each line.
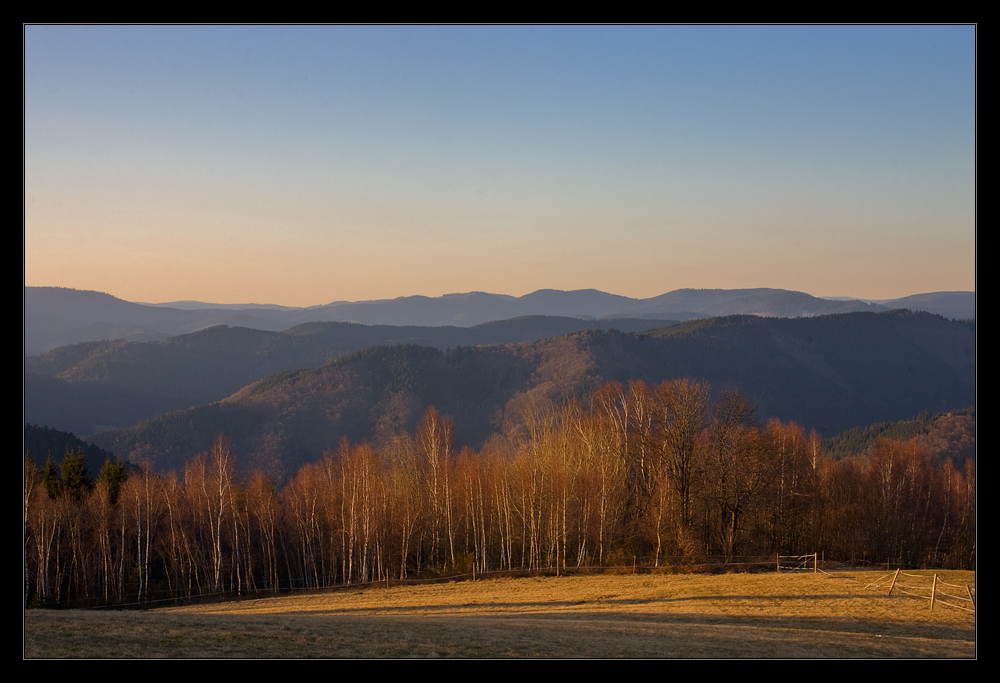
303, 165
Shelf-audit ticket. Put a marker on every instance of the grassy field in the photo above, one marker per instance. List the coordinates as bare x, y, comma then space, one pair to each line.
732, 615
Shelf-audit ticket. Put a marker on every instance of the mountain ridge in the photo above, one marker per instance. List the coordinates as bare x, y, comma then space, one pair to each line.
55, 317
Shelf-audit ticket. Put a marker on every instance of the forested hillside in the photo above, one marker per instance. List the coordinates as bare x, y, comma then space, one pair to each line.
945, 436
44, 443
95, 386
829, 374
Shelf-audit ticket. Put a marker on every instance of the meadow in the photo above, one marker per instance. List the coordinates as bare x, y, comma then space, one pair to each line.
839, 614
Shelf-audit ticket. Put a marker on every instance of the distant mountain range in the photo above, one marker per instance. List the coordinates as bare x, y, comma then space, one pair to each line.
160, 382
55, 317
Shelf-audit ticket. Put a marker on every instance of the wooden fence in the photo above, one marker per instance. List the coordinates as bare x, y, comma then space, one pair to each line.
793, 563
938, 592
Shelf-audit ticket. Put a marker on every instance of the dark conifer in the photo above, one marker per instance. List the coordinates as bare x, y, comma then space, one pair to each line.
113, 475
75, 474
50, 477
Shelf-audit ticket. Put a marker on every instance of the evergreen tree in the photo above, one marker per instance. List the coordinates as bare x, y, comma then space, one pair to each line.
50, 477
113, 475
75, 474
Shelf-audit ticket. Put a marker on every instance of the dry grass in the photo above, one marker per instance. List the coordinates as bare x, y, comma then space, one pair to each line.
735, 615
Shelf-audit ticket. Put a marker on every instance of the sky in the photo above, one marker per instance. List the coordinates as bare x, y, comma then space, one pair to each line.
301, 165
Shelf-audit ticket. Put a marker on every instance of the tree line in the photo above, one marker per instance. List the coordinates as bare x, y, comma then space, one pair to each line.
655, 475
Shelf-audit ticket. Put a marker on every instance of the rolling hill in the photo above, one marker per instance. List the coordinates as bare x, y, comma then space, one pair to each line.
829, 373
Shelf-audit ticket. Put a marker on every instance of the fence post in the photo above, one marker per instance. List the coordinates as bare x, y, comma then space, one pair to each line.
777, 562
933, 589
893, 582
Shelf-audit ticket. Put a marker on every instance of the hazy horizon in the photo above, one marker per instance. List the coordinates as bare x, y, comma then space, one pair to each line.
208, 303
301, 165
